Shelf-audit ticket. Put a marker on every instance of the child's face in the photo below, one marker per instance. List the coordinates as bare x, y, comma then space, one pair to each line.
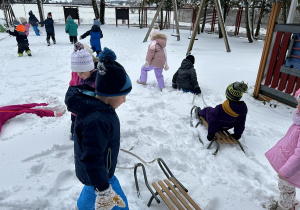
84, 75
115, 102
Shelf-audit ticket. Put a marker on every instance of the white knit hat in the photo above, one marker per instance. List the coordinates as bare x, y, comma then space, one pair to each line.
81, 61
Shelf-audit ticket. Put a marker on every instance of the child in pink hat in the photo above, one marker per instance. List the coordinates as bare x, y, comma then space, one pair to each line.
284, 157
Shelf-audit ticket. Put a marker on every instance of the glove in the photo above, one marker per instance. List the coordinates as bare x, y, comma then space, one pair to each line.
174, 85
80, 38
67, 31
236, 136
107, 199
197, 91
210, 137
166, 68
147, 64
7, 31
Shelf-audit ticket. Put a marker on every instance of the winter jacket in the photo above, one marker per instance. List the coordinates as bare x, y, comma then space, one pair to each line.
49, 25
76, 80
186, 77
284, 157
71, 27
156, 57
8, 112
230, 114
96, 34
19, 33
33, 20
97, 137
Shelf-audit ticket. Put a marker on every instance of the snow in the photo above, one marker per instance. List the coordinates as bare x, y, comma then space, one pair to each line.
36, 155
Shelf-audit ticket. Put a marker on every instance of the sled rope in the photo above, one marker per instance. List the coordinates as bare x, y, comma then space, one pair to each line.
143, 161
193, 102
4, 38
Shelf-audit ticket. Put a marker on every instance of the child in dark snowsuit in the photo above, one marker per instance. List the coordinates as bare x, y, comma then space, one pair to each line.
33, 21
20, 34
49, 26
230, 114
96, 34
97, 134
71, 29
185, 77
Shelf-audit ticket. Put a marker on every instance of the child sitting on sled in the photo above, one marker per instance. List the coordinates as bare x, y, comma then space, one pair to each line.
230, 114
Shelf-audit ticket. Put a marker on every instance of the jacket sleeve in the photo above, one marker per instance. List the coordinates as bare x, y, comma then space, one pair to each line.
213, 119
193, 79
240, 125
150, 54
14, 33
42, 22
95, 136
67, 27
292, 165
101, 34
74, 79
85, 34
175, 78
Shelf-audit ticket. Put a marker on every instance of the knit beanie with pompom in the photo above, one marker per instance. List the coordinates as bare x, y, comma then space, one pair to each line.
234, 91
112, 79
81, 59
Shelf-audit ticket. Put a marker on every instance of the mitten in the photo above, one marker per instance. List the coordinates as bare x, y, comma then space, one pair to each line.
107, 199
67, 31
236, 136
166, 67
147, 64
7, 31
197, 90
174, 85
210, 137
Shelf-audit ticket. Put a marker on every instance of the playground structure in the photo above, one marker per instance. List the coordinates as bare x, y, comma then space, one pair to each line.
8, 13
279, 70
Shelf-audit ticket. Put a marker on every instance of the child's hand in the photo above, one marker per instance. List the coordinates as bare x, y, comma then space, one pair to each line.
146, 64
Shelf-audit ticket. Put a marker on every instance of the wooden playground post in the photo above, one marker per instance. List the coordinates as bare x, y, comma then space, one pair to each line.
273, 17
176, 20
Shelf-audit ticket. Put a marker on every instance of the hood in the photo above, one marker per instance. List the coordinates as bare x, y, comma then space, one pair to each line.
70, 21
80, 104
186, 64
95, 28
159, 35
161, 41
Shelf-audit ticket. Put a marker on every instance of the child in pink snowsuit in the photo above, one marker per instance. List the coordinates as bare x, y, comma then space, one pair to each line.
284, 157
25, 24
156, 58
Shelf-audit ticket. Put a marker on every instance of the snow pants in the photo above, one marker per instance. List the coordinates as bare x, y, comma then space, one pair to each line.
23, 47
52, 35
287, 194
158, 75
87, 198
73, 39
36, 30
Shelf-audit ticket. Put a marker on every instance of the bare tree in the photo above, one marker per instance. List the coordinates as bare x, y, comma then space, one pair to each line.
102, 11
249, 35
95, 8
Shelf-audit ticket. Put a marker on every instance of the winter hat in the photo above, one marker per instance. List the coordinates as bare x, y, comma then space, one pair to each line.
49, 15
30, 12
97, 22
112, 79
191, 58
78, 46
69, 17
23, 20
155, 30
16, 22
297, 95
81, 61
234, 91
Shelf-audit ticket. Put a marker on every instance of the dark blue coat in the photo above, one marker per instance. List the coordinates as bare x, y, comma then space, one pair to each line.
49, 25
219, 120
97, 137
96, 35
33, 20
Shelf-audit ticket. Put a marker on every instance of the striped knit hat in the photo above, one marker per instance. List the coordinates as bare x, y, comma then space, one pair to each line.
81, 61
234, 91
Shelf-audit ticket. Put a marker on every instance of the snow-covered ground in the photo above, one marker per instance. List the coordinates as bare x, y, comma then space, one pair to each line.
36, 155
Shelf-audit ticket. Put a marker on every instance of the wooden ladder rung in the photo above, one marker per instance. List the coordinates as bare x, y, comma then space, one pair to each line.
185, 194
162, 195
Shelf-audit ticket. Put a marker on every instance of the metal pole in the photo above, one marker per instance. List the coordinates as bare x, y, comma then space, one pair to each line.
292, 11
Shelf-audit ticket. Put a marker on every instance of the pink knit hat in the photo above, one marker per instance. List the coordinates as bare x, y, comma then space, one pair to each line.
154, 31
297, 95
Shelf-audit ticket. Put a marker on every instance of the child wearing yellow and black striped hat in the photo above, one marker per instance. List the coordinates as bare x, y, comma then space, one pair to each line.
230, 114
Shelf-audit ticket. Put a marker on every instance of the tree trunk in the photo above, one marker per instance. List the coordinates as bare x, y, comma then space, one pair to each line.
252, 17
204, 18
39, 4
102, 11
261, 15
142, 17
161, 19
95, 8
249, 36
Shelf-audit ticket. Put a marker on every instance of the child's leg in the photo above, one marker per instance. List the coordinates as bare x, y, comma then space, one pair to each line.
144, 72
159, 77
27, 50
87, 198
75, 39
53, 38
71, 39
48, 38
36, 30
117, 188
20, 49
287, 194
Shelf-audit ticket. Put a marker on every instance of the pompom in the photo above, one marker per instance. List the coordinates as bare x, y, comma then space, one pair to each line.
78, 46
241, 86
107, 55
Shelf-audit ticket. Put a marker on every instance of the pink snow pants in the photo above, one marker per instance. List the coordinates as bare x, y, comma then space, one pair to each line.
158, 75
287, 195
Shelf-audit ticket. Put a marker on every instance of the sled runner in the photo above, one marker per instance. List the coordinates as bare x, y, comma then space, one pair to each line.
221, 137
171, 191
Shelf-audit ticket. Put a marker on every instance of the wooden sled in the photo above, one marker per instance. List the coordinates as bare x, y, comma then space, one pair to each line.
171, 191
221, 137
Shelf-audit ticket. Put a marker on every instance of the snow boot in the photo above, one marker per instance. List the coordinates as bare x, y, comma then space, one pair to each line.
28, 52
277, 207
20, 54
48, 43
139, 82
54, 42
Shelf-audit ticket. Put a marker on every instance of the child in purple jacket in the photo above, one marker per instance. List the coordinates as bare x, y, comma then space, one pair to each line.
230, 114
284, 157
